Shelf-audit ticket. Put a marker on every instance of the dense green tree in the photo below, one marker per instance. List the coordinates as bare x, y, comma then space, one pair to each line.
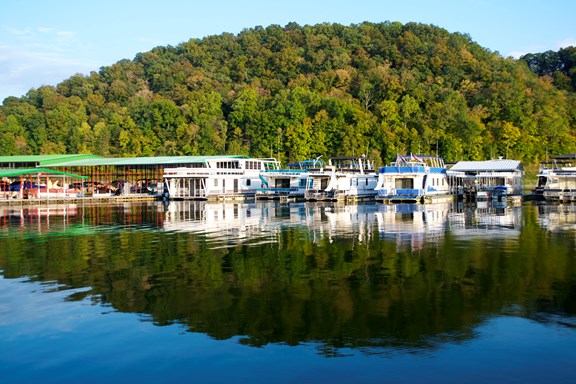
303, 91
561, 66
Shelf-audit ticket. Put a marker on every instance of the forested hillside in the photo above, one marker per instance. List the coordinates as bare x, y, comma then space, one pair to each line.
561, 66
296, 92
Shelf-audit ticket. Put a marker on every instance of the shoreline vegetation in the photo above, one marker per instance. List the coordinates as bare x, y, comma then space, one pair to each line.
298, 92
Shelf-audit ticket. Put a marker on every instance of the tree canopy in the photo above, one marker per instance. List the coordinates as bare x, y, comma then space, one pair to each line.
296, 92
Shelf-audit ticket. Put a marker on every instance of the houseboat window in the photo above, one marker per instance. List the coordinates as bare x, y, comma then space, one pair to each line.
215, 182
404, 183
248, 182
282, 183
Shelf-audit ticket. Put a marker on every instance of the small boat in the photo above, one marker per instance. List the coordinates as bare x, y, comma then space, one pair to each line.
483, 195
500, 193
289, 183
413, 179
345, 178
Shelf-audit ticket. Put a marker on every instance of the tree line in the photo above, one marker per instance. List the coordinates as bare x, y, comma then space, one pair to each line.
297, 92
302, 284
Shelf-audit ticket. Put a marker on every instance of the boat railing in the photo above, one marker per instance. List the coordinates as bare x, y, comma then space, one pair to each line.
401, 192
409, 192
403, 169
277, 189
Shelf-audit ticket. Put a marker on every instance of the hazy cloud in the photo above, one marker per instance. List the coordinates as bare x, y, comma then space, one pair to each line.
569, 42
30, 58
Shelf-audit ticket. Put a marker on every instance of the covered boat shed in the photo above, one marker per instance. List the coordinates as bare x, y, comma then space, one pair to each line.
487, 175
118, 175
38, 183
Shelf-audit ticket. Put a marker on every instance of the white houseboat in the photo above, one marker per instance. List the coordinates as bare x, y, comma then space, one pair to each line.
289, 183
345, 178
226, 177
557, 179
413, 179
489, 179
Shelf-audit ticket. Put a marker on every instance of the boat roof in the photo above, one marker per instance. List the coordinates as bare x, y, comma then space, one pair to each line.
570, 156
498, 165
347, 157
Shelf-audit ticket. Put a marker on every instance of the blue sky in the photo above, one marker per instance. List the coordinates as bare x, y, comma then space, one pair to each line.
43, 42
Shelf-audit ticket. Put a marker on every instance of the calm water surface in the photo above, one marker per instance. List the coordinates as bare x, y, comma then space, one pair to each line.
287, 293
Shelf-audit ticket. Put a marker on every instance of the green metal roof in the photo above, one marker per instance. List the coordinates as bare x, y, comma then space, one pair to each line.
12, 172
43, 160
133, 161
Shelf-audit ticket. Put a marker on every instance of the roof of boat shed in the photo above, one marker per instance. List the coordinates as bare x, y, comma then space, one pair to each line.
36, 171
42, 160
140, 161
499, 165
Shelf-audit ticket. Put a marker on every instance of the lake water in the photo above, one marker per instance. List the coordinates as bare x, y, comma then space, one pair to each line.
287, 293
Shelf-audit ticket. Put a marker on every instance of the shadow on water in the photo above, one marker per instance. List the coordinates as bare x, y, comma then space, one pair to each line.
375, 278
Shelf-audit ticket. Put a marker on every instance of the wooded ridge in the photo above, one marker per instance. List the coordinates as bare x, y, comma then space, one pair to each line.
297, 92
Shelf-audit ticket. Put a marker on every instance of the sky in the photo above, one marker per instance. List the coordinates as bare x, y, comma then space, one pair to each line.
43, 42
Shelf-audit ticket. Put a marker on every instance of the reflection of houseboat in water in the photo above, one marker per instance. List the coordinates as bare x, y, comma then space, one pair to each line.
234, 221
488, 220
413, 224
557, 218
215, 219
416, 225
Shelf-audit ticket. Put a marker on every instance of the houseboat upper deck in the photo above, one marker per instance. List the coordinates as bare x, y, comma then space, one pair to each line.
413, 179
344, 178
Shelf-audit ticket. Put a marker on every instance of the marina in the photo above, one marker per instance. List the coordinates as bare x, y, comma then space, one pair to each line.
415, 179
313, 289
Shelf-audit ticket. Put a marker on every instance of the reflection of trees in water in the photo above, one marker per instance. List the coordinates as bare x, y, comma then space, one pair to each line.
315, 283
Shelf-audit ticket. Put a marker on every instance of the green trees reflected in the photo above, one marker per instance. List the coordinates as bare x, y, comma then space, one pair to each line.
360, 289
